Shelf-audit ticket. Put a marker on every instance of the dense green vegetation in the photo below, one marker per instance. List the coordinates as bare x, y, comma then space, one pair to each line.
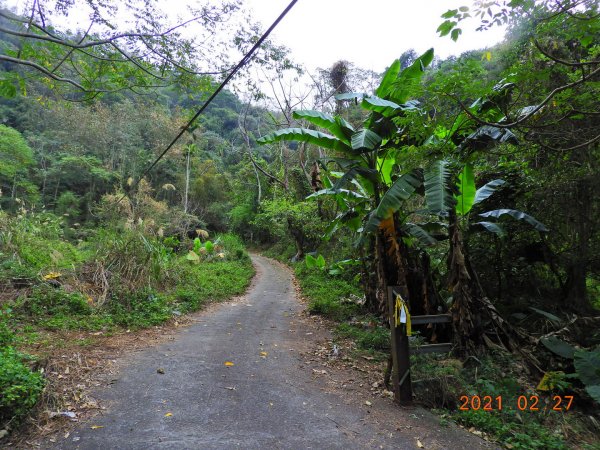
471, 182
115, 279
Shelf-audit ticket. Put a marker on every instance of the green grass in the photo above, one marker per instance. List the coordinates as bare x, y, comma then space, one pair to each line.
367, 334
53, 308
327, 295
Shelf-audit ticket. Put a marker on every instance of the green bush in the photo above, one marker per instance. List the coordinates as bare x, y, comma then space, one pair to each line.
7, 336
135, 260
234, 247
326, 293
47, 300
522, 432
68, 204
36, 241
141, 309
521, 429
368, 338
20, 388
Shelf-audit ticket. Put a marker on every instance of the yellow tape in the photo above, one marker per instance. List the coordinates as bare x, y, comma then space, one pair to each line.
400, 310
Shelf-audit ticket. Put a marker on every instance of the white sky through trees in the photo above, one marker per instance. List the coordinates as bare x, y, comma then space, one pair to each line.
369, 33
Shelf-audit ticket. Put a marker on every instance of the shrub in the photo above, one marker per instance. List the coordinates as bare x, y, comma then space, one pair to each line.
36, 241
131, 260
7, 336
141, 309
368, 338
20, 388
326, 293
234, 247
50, 301
68, 203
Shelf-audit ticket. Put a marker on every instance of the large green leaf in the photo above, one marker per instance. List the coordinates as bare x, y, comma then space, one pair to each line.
342, 193
587, 365
492, 227
399, 192
594, 392
392, 200
487, 189
343, 163
546, 314
370, 174
385, 166
365, 140
350, 219
311, 261
519, 215
466, 187
438, 196
390, 76
387, 108
488, 136
423, 236
304, 135
558, 346
335, 125
404, 85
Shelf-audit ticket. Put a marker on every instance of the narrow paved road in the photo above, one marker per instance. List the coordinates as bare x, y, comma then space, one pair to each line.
267, 399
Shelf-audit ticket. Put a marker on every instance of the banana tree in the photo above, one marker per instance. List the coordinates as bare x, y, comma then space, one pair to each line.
367, 185
373, 188
471, 309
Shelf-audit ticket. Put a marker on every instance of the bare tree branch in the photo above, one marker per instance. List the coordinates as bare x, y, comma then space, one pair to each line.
563, 62
45, 71
533, 111
575, 147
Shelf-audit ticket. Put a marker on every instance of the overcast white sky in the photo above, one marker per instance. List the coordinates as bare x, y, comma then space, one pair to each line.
369, 33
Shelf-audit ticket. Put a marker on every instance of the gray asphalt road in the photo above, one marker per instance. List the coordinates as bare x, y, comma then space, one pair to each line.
267, 399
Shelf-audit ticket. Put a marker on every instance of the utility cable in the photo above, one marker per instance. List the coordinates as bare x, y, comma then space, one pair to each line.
247, 57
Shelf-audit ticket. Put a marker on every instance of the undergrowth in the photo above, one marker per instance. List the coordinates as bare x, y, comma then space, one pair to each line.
119, 278
439, 381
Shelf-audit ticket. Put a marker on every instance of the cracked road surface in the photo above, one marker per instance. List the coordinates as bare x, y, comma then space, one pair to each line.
269, 398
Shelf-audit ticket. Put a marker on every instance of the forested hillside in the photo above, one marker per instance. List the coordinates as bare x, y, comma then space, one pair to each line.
470, 182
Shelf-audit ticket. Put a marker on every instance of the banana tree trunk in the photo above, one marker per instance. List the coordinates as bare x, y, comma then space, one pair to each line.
476, 322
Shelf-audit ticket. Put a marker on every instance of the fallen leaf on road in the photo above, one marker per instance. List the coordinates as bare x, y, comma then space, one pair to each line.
168, 414
160, 370
368, 403
420, 444
264, 354
320, 372
228, 363
95, 427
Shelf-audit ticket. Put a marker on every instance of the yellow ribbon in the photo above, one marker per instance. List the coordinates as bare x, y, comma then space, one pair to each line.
400, 310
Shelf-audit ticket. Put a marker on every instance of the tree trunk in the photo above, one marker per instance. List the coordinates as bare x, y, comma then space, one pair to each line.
576, 288
476, 322
578, 266
400, 265
187, 182
299, 239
